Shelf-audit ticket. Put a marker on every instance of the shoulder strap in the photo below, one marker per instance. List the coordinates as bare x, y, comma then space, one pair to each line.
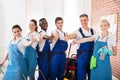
64, 34
106, 39
58, 32
80, 30
40, 32
18, 41
98, 38
91, 30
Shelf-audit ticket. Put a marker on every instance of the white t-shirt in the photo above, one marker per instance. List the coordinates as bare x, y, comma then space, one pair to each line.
79, 35
35, 36
111, 39
42, 43
19, 43
62, 35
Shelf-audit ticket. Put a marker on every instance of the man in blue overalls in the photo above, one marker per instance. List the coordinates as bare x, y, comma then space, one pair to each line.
57, 56
84, 50
43, 49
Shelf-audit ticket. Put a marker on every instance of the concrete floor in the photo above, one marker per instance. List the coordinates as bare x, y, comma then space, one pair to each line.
36, 75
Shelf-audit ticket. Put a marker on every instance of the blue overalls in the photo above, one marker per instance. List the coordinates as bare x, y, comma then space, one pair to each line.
16, 65
103, 67
58, 60
43, 58
84, 54
30, 56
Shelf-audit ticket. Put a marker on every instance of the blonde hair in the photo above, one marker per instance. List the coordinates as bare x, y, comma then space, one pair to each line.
104, 21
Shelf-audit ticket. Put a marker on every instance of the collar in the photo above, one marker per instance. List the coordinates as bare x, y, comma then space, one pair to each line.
43, 30
59, 31
84, 29
105, 36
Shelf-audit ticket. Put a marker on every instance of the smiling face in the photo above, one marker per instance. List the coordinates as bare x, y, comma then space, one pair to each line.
104, 25
43, 24
84, 21
16, 32
32, 26
59, 24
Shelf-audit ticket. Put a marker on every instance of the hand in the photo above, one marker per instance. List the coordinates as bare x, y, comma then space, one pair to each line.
56, 36
32, 39
74, 42
40, 38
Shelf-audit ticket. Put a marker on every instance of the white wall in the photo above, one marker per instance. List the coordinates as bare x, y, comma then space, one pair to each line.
11, 12
21, 11
35, 9
52, 9
45, 8
85, 7
71, 15
70, 10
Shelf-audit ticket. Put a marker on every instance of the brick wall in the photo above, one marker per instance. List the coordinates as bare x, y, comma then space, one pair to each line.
102, 8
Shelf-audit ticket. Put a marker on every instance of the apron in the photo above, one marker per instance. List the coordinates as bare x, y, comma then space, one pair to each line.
16, 66
58, 60
43, 58
103, 67
30, 60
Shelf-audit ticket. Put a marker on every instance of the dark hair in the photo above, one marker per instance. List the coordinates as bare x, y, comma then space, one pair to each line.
35, 22
17, 26
41, 20
58, 18
83, 15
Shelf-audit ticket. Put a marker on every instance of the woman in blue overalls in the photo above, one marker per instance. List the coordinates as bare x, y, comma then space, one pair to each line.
16, 65
104, 46
43, 49
30, 54
58, 47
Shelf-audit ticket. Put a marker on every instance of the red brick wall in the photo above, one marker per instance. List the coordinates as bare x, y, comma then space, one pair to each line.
102, 8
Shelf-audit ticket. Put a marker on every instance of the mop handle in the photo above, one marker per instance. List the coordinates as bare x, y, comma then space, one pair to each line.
69, 50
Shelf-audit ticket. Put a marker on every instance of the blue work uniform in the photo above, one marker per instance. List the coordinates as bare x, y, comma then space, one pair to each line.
103, 67
58, 59
43, 49
30, 56
16, 66
84, 54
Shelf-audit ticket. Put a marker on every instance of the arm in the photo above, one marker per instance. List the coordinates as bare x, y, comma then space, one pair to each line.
83, 40
28, 43
4, 59
72, 36
48, 37
113, 45
114, 49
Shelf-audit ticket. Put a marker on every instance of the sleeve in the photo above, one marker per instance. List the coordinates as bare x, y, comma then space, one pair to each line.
36, 36
79, 36
24, 42
54, 32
